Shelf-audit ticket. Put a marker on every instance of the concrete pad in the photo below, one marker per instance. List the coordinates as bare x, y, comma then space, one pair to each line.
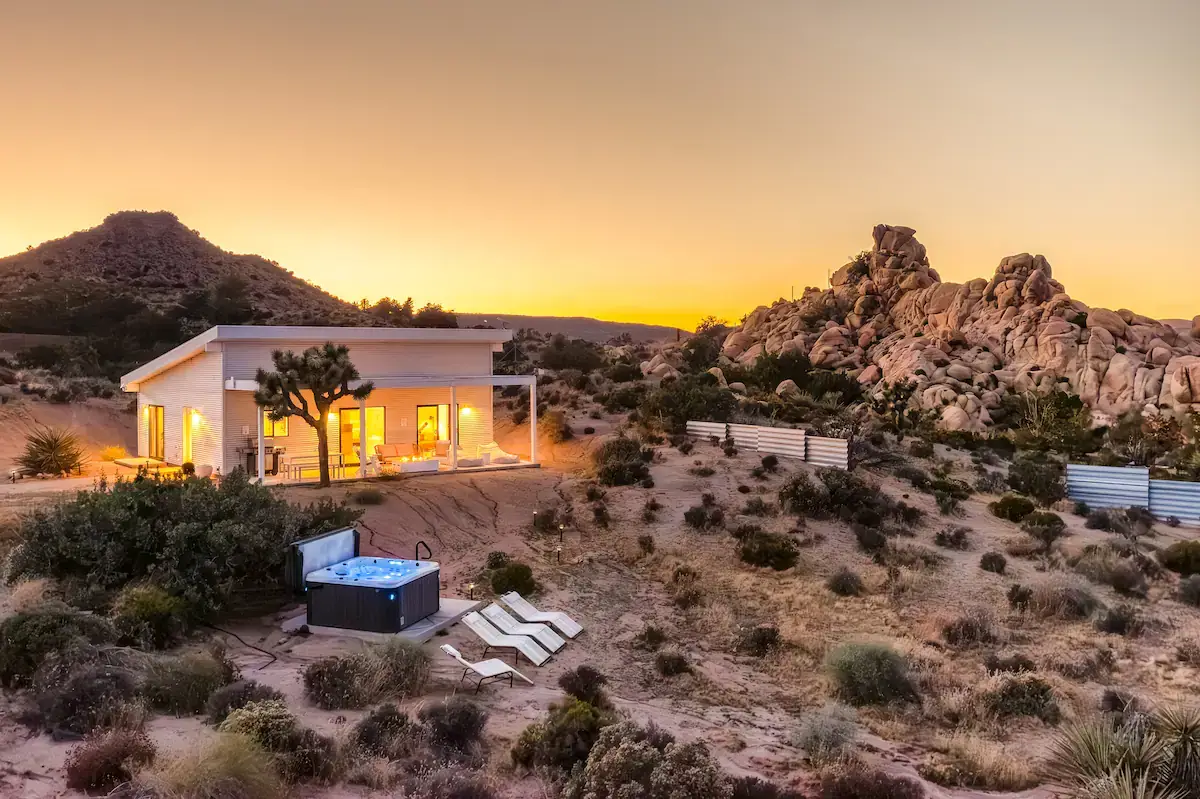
448, 614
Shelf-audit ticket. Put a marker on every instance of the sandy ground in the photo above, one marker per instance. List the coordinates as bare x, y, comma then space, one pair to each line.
746, 709
99, 423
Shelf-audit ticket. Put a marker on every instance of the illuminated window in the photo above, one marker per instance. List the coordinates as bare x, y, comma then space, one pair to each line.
274, 429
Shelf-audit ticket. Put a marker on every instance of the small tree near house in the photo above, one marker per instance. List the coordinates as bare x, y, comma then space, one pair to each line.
325, 372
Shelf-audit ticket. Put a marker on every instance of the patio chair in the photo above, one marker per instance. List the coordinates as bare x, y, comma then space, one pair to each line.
491, 670
538, 632
497, 455
494, 639
527, 612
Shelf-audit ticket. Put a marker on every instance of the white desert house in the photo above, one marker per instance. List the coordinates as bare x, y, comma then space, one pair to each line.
431, 409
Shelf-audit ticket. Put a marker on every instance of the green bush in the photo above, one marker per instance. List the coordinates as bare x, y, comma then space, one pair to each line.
300, 753
1189, 590
828, 734
147, 616
586, 684
237, 694
758, 641
631, 761
757, 506
553, 426
870, 674
702, 517
804, 497
565, 737
571, 353
514, 576
1182, 557
182, 684
1022, 694
993, 562
394, 670
692, 397
952, 537
380, 729
1045, 527
973, 626
1040, 478
619, 462
845, 582
497, 559
1011, 507
198, 540
52, 450
1120, 620
755, 788
857, 782
104, 761
671, 663
456, 723
766, 549
650, 638
93, 697
27, 638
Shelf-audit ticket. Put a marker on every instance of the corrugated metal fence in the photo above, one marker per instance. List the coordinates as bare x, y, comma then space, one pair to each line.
1131, 486
789, 442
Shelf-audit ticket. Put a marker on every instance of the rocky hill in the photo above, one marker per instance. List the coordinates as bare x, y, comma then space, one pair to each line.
164, 265
889, 316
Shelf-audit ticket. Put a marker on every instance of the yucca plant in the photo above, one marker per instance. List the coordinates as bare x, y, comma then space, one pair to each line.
52, 450
1179, 727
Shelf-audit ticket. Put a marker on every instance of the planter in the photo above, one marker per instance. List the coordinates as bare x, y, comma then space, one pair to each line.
409, 467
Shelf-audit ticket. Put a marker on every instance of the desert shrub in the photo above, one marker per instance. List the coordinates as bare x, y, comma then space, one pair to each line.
770, 462
1182, 557
96, 696
869, 539
920, 448
858, 782
449, 782
948, 505
1099, 519
600, 515
702, 517
1011, 507
225, 767
993, 562
456, 723
697, 397
564, 738
199, 540
514, 576
397, 669
907, 515
702, 471
376, 733
1009, 694
300, 753
755, 788
972, 627
104, 761
594, 493
182, 684
766, 549
1037, 477
975, 763
802, 496
147, 616
758, 641
586, 684
1054, 599
870, 674
757, 506
828, 734
1127, 579
650, 638
1045, 527
650, 509
1120, 620
1009, 663
27, 638
237, 694
845, 582
646, 544
990, 483
952, 537
917, 477
113, 453
368, 496
1081, 508
547, 520
52, 450
670, 663
1189, 590
685, 447
497, 559
553, 426
619, 462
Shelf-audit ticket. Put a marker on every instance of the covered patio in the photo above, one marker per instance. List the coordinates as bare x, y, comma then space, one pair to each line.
407, 426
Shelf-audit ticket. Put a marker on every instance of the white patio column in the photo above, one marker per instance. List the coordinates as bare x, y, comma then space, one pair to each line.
533, 421
362, 438
453, 428
262, 446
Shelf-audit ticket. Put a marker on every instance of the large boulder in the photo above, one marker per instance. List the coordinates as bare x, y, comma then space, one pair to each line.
955, 418
1183, 387
1107, 320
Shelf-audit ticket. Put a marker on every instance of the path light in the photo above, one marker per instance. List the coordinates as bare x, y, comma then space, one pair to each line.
561, 527
558, 553
470, 590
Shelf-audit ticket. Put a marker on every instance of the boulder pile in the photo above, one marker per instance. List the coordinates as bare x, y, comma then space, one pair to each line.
887, 315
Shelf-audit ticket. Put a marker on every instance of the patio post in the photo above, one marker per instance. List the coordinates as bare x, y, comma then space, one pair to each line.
533, 421
362, 438
453, 428
262, 446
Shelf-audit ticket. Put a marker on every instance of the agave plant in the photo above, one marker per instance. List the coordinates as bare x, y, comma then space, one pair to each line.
52, 450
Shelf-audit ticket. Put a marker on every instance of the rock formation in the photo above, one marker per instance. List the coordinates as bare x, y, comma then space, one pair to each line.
888, 316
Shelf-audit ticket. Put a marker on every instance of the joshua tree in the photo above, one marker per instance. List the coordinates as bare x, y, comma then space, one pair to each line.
325, 372
892, 401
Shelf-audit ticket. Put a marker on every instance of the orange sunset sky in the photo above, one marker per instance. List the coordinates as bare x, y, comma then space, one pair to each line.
643, 160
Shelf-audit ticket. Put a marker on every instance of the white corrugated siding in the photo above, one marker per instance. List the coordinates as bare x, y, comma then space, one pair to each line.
786, 441
195, 384
373, 359
745, 436
823, 451
707, 429
1109, 486
1174, 498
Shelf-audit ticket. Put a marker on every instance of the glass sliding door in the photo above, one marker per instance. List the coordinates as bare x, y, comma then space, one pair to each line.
433, 425
350, 429
155, 434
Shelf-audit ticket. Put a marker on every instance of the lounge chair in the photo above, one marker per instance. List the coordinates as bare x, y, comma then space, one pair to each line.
527, 612
494, 639
538, 632
496, 455
491, 670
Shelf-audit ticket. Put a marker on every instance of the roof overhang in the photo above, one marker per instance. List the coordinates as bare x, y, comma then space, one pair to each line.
300, 337
414, 381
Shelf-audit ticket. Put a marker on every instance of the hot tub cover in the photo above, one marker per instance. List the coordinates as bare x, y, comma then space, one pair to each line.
373, 572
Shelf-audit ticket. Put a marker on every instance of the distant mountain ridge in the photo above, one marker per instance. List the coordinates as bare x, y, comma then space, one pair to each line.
584, 327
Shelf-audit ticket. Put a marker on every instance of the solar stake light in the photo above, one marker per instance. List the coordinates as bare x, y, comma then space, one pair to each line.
470, 590
558, 554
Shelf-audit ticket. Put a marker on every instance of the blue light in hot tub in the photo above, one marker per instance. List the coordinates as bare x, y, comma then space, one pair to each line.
392, 596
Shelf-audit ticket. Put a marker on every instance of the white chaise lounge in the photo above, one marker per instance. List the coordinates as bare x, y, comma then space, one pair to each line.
538, 632
491, 670
494, 639
527, 612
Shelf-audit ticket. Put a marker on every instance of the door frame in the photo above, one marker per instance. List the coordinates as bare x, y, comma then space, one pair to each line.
156, 434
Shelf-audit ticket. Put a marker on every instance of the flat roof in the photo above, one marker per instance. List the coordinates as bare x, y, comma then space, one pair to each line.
307, 336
